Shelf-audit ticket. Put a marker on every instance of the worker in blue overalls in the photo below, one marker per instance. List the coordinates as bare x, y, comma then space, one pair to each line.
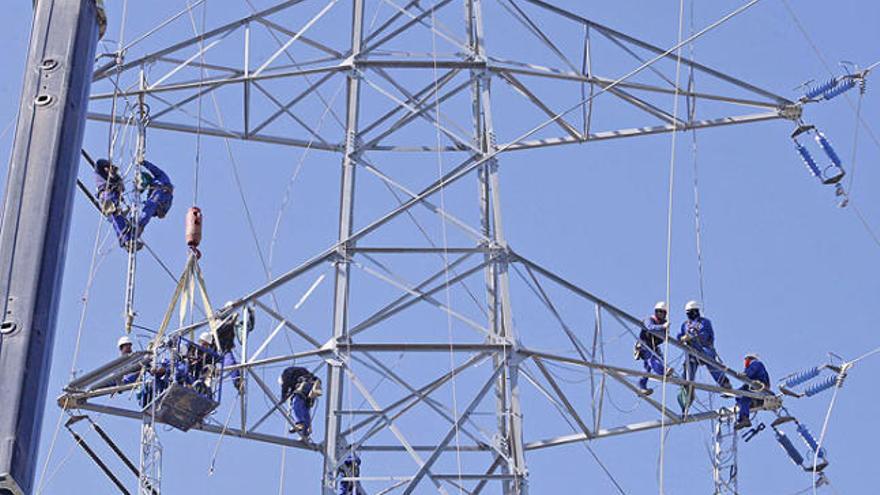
755, 371
160, 194
350, 468
648, 347
697, 333
301, 387
109, 193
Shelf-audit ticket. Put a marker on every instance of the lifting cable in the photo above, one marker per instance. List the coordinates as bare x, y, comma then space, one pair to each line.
444, 234
85, 298
669, 215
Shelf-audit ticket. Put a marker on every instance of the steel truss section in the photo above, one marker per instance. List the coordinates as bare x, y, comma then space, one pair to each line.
506, 368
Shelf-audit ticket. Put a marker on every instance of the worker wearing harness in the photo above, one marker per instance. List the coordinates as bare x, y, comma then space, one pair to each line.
109, 193
350, 468
648, 347
301, 387
755, 371
698, 334
160, 193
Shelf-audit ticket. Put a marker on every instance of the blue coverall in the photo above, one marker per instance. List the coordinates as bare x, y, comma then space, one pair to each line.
651, 354
703, 341
159, 197
301, 404
350, 469
109, 192
755, 371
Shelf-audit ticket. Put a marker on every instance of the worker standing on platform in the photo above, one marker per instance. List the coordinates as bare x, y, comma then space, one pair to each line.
755, 370
648, 347
301, 387
160, 194
697, 333
109, 193
350, 468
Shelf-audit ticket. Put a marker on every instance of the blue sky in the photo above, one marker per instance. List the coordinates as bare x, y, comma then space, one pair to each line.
787, 274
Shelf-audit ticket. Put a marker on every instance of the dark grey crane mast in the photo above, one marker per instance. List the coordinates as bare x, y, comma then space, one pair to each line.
36, 220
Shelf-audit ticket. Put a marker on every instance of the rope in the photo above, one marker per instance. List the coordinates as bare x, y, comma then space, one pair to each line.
669, 215
82, 321
202, 75
444, 234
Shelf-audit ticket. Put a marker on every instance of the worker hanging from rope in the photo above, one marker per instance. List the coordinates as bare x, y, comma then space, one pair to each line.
755, 370
648, 349
350, 468
697, 333
109, 193
153, 181
160, 194
302, 388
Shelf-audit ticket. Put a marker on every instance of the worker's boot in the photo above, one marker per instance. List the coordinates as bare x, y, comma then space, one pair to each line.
742, 423
646, 391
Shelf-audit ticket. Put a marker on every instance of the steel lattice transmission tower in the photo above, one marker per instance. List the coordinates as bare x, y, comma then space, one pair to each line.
412, 73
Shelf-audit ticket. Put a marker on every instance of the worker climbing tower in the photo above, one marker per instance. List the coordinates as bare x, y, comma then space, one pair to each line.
438, 342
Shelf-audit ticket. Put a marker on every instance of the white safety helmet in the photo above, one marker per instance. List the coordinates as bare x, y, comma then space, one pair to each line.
123, 341
660, 306
206, 337
752, 355
692, 305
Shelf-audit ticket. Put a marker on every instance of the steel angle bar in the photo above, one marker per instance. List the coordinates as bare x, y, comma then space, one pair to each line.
285, 108
413, 398
438, 450
371, 46
204, 49
420, 20
432, 106
201, 83
394, 280
260, 437
467, 229
647, 46
433, 120
417, 96
431, 347
207, 131
418, 250
644, 131
146, 59
416, 295
201, 65
434, 404
389, 423
290, 114
498, 66
311, 22
523, 90
303, 39
562, 397
626, 429
281, 319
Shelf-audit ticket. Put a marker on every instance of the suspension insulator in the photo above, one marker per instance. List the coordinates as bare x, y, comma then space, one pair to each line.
808, 159
826, 146
801, 377
789, 447
194, 227
810, 440
847, 84
820, 386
